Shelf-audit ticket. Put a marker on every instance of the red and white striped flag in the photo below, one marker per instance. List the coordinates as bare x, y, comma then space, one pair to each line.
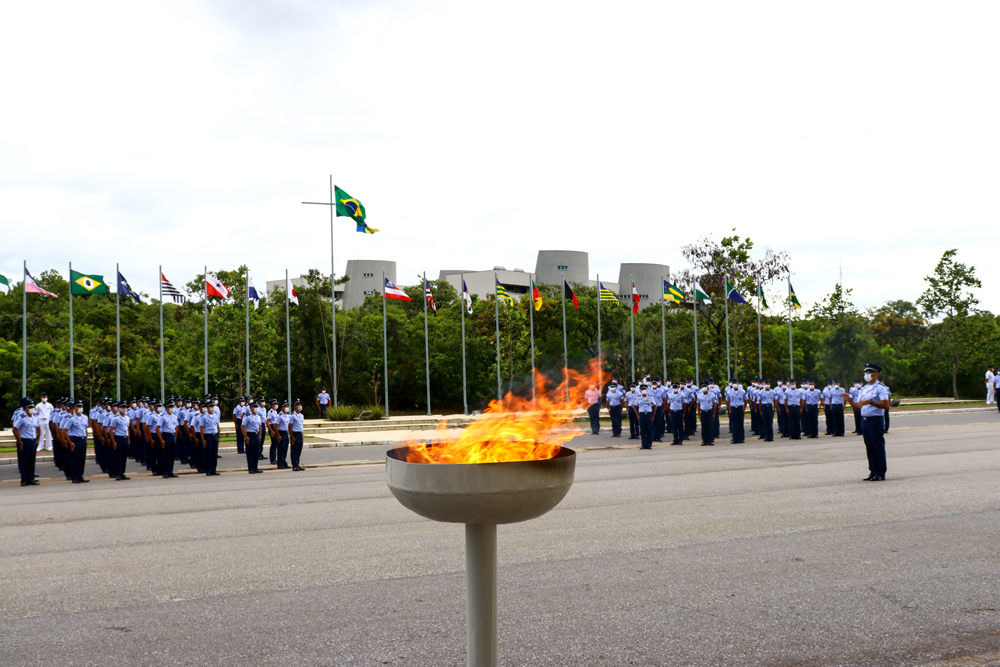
31, 287
214, 287
393, 292
429, 297
167, 289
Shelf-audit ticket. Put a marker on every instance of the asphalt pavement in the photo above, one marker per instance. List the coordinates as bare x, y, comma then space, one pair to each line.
754, 554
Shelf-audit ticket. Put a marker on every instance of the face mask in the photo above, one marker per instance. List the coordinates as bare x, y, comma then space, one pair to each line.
643, 392
79, 411
868, 377
285, 410
170, 409
766, 387
44, 400
27, 411
242, 403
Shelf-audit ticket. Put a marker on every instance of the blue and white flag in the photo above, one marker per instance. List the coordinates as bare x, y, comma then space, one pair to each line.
125, 289
466, 297
733, 294
253, 295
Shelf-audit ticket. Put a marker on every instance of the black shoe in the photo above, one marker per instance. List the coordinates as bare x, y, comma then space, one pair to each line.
210, 474
34, 476
869, 478
23, 483
80, 480
878, 478
33, 482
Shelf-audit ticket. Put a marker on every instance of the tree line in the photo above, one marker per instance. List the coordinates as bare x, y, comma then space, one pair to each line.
938, 346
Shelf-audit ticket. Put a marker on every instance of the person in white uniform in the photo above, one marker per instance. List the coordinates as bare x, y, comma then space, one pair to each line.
43, 411
990, 389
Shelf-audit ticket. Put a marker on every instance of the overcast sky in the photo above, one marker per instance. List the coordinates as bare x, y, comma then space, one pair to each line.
187, 133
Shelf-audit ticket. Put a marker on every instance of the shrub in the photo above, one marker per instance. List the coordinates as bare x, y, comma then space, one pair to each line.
342, 413
378, 412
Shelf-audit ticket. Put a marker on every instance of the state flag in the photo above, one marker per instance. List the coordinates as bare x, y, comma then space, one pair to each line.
568, 293
606, 294
536, 296
466, 297
167, 289
700, 295
125, 289
4, 285
635, 299
672, 293
429, 297
253, 295
393, 292
81, 283
733, 295
760, 295
792, 298
501, 293
214, 287
31, 287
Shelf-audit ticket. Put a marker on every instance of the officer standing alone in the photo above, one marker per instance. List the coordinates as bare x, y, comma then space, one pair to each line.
873, 401
322, 402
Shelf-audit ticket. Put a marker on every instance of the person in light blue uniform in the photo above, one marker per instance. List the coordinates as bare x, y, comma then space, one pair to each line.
119, 429
645, 406
889, 392
657, 392
76, 430
26, 434
714, 389
873, 401
593, 397
281, 426
708, 406
322, 402
675, 403
736, 398
614, 397
996, 389
295, 422
633, 414
836, 410
209, 427
812, 397
768, 400
271, 426
853, 395
251, 435
262, 413
166, 434
793, 407
238, 411
827, 402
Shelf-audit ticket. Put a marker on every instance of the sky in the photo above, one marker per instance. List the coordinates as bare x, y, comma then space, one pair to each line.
856, 136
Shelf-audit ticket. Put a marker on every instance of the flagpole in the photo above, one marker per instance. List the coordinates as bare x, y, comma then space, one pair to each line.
565, 348
725, 279
791, 354
118, 335
385, 349
427, 347
205, 289
697, 369
663, 326
24, 331
496, 304
333, 303
631, 309
71, 380
600, 360
531, 329
246, 299
288, 340
465, 393
760, 348
161, 330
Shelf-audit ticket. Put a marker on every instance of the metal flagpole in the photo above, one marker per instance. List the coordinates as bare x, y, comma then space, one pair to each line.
600, 359
72, 383
246, 299
118, 336
631, 309
288, 340
24, 331
333, 301
663, 326
531, 329
161, 331
496, 303
725, 279
385, 349
465, 393
204, 288
427, 347
791, 354
697, 369
565, 348
760, 348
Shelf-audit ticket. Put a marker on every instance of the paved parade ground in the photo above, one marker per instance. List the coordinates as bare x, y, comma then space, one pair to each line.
753, 554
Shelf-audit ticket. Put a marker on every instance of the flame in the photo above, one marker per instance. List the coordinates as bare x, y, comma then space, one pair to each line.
515, 429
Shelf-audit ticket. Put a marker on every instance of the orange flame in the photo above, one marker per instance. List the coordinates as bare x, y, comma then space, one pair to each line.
516, 429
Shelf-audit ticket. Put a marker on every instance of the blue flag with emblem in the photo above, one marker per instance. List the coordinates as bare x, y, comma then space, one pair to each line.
125, 289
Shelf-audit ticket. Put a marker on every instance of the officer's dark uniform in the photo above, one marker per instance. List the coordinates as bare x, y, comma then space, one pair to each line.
644, 406
633, 415
614, 399
872, 426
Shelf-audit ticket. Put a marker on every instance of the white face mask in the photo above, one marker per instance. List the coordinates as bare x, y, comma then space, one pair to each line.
643, 392
170, 409
242, 403
285, 409
868, 377
766, 387
79, 411
44, 399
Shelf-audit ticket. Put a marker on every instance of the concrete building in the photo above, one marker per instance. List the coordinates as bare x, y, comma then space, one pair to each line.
551, 265
481, 283
300, 282
365, 280
647, 282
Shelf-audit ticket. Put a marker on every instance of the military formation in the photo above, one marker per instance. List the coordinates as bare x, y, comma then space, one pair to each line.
658, 407
155, 435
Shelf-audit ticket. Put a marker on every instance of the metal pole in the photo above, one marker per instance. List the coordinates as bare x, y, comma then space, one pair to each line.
600, 359
427, 347
760, 348
496, 304
481, 646
697, 370
465, 393
663, 326
565, 348
204, 288
333, 300
531, 329
24, 331
288, 341
631, 310
385, 349
791, 354
72, 383
162, 384
246, 299
725, 280
118, 337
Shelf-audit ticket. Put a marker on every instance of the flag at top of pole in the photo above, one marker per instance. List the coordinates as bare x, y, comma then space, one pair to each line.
568, 293
733, 294
760, 295
672, 293
214, 287
502, 293
393, 292
252, 294
792, 298
606, 294
169, 290
4, 285
536, 296
31, 287
290, 291
466, 297
348, 206
125, 289
700, 295
429, 296
635, 299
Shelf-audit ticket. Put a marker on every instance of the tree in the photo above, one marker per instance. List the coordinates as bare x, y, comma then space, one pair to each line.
949, 293
844, 336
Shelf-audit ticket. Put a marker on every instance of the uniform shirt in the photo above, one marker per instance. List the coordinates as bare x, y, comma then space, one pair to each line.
76, 426
272, 416
43, 411
167, 423
615, 396
17, 415
737, 396
120, 425
295, 421
151, 420
262, 413
714, 390
707, 400
281, 421
645, 403
688, 394
675, 399
194, 421
812, 396
323, 398
630, 397
252, 422
853, 392
836, 396
793, 397
873, 392
996, 381
27, 426
106, 419
766, 396
240, 410
209, 422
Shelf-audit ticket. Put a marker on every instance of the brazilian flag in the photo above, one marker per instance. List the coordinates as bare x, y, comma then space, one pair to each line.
84, 284
348, 206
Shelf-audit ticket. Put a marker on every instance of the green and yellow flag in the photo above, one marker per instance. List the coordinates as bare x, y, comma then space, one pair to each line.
792, 298
671, 293
502, 294
84, 284
760, 295
348, 206
608, 295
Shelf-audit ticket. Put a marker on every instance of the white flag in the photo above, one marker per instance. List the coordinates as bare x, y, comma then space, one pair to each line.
253, 295
290, 291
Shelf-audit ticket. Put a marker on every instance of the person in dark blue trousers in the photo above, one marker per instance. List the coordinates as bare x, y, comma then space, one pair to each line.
735, 406
645, 405
708, 405
251, 435
26, 433
873, 400
295, 421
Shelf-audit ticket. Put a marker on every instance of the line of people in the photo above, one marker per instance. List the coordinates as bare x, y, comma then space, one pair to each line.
154, 434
